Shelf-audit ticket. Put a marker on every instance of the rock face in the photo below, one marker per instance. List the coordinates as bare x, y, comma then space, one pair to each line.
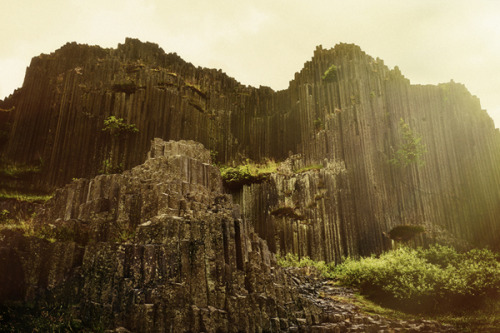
157, 248
350, 125
161, 248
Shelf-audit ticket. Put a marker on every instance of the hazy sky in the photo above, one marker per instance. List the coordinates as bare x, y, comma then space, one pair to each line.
265, 42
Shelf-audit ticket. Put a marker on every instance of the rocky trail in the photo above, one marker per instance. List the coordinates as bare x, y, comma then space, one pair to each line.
339, 314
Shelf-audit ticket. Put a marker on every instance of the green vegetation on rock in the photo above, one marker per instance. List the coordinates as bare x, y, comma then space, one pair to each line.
16, 170
330, 74
411, 150
438, 278
309, 168
235, 177
292, 260
24, 196
117, 126
438, 283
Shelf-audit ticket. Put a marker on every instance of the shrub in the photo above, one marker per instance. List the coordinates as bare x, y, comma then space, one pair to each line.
411, 150
117, 126
439, 255
292, 260
4, 216
422, 279
330, 74
108, 168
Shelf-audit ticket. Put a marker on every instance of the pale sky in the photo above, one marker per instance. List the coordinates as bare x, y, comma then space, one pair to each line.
265, 42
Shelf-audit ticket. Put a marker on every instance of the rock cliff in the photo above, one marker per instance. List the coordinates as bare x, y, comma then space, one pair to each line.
161, 248
157, 248
349, 125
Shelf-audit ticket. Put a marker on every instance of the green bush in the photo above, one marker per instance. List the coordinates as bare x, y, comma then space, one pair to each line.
4, 216
292, 260
107, 167
117, 126
411, 150
423, 279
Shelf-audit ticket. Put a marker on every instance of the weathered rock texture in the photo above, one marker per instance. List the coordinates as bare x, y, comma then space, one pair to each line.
161, 248
157, 248
349, 125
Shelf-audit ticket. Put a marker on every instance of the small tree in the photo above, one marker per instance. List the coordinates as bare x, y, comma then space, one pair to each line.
411, 150
117, 126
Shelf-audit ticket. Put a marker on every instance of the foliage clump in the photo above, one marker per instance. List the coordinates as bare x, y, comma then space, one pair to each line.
330, 74
4, 216
107, 167
318, 124
235, 177
438, 278
292, 260
117, 126
411, 150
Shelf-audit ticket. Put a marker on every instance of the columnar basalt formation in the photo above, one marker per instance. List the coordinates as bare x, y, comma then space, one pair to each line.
157, 248
351, 122
161, 248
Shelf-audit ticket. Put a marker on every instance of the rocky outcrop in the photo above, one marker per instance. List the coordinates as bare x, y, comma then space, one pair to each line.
161, 248
350, 125
157, 248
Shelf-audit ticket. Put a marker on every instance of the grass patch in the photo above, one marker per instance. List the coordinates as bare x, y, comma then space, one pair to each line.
24, 196
235, 177
12, 170
293, 260
309, 168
